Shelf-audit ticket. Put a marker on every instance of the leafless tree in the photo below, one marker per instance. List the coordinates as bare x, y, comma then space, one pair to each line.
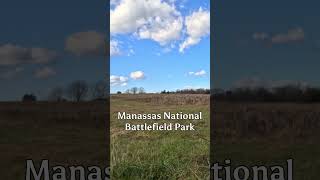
134, 90
141, 90
78, 90
127, 91
100, 90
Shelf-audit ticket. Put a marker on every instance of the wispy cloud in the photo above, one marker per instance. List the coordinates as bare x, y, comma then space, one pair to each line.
118, 80
295, 35
114, 48
45, 72
260, 36
14, 54
198, 73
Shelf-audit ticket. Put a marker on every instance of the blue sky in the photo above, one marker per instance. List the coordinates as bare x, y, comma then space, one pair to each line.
34, 55
266, 41
161, 66
273, 41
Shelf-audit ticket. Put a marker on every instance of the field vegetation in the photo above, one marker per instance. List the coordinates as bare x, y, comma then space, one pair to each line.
258, 133
158, 154
65, 133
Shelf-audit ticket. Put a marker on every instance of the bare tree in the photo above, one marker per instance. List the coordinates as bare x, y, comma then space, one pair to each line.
78, 90
56, 94
100, 90
127, 91
134, 90
141, 90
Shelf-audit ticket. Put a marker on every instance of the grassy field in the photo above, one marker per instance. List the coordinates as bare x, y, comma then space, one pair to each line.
64, 133
268, 134
246, 133
159, 155
75, 133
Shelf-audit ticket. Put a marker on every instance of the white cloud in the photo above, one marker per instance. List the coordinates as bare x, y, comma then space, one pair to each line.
260, 36
13, 54
86, 43
293, 35
118, 80
137, 75
199, 73
114, 48
164, 32
147, 19
44, 73
198, 26
131, 52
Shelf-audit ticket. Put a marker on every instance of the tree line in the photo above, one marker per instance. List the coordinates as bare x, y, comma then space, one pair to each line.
187, 91
80, 90
76, 91
286, 93
141, 90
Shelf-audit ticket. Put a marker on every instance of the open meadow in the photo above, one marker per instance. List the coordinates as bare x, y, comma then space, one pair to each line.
160, 154
64, 133
268, 133
75, 133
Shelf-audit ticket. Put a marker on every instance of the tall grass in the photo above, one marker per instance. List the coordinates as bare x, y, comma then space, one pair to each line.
277, 120
64, 133
160, 155
167, 99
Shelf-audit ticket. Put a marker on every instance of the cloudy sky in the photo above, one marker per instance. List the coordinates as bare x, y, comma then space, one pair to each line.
266, 42
44, 44
159, 44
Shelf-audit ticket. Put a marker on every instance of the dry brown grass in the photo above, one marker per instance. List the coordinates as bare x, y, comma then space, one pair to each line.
167, 99
65, 133
44, 112
159, 154
276, 120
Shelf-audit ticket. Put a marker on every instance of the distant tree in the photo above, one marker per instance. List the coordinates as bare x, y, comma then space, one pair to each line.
78, 90
56, 94
134, 90
119, 92
127, 91
163, 92
29, 98
312, 94
288, 93
100, 90
141, 90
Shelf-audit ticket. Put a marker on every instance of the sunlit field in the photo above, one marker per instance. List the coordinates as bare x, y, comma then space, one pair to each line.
160, 154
